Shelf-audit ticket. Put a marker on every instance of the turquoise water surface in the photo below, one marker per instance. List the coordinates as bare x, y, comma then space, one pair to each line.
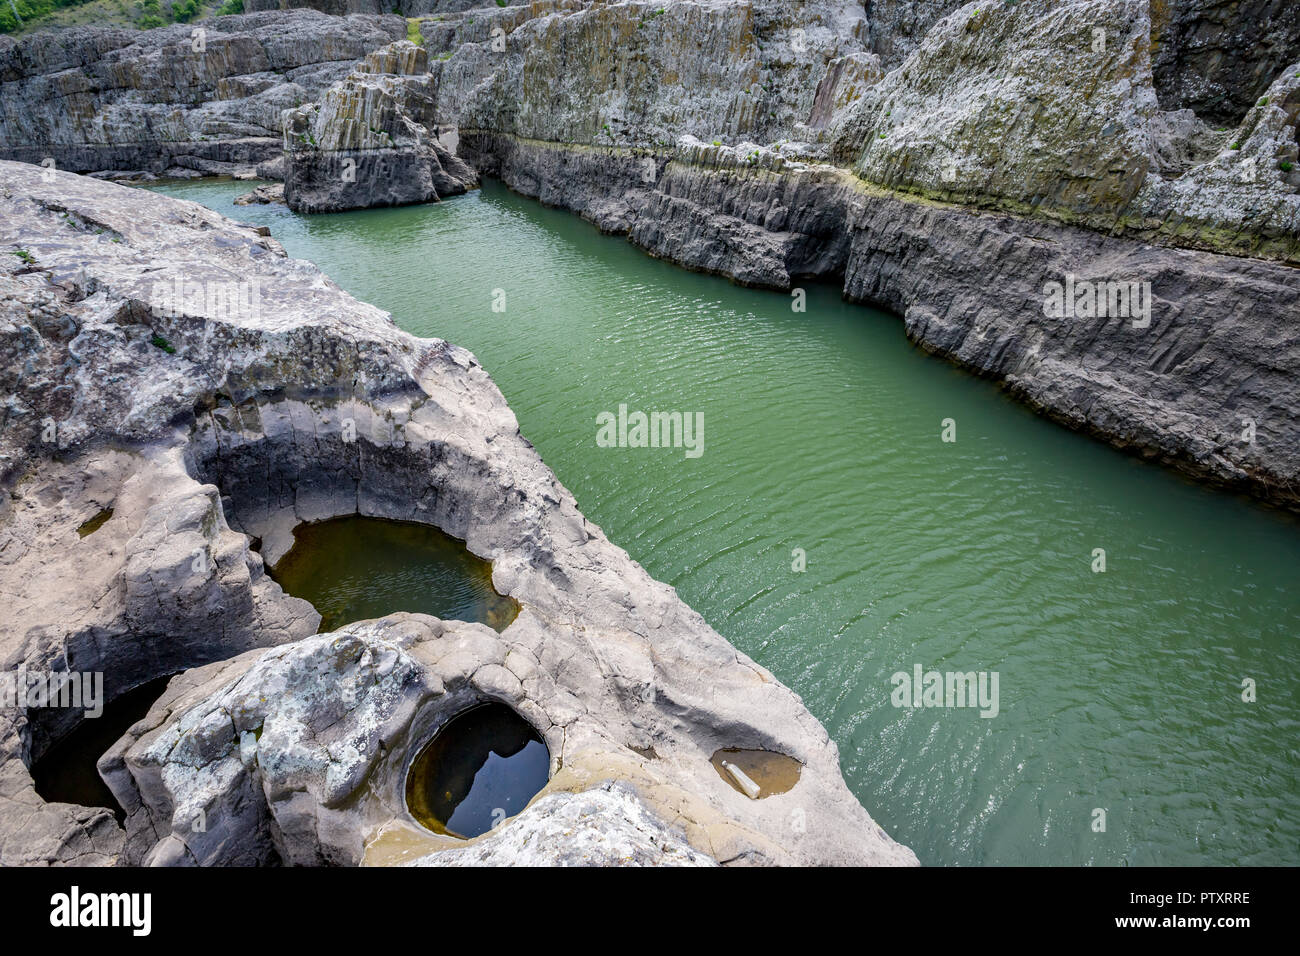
1119, 691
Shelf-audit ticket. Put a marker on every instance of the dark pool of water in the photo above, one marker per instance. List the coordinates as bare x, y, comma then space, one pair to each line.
481, 768
355, 569
66, 772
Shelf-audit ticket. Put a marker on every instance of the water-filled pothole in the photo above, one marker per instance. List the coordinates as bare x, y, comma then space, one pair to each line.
483, 766
91, 525
756, 773
66, 772
355, 569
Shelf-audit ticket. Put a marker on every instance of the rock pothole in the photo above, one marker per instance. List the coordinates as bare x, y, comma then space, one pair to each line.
481, 768
355, 568
68, 773
93, 524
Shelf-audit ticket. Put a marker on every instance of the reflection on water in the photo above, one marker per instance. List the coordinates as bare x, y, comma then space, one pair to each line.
355, 569
481, 768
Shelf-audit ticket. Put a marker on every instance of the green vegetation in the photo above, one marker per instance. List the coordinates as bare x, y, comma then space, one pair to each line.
412, 32
150, 14
229, 7
24, 255
163, 344
24, 16
1286, 166
17, 14
1235, 146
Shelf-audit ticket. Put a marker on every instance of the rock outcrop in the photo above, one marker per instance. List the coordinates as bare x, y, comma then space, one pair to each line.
1218, 58
204, 97
373, 140
972, 117
178, 369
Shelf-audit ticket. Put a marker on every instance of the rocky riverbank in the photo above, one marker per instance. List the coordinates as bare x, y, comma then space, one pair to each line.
207, 426
1095, 203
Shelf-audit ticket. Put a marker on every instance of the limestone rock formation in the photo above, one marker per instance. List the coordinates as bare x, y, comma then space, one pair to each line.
1245, 197
262, 195
211, 425
205, 97
604, 826
974, 114
637, 74
372, 140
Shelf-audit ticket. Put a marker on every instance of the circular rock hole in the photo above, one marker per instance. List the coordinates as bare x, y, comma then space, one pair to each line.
483, 766
67, 772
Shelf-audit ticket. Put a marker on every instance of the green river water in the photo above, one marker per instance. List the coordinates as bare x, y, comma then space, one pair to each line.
1119, 690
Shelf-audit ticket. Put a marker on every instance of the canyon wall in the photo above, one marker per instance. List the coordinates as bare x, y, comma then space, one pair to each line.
173, 100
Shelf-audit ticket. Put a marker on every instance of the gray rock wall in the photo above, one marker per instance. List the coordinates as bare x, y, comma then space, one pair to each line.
94, 99
1218, 58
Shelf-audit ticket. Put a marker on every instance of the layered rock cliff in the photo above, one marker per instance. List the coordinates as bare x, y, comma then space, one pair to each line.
204, 97
373, 140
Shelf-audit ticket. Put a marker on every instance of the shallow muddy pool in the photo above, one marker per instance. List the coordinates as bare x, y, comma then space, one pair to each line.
1118, 691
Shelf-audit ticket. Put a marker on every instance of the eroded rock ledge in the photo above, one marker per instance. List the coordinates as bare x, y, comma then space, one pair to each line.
205, 429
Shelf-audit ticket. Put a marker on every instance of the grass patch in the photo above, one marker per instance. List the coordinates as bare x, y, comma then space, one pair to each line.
160, 342
20, 17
